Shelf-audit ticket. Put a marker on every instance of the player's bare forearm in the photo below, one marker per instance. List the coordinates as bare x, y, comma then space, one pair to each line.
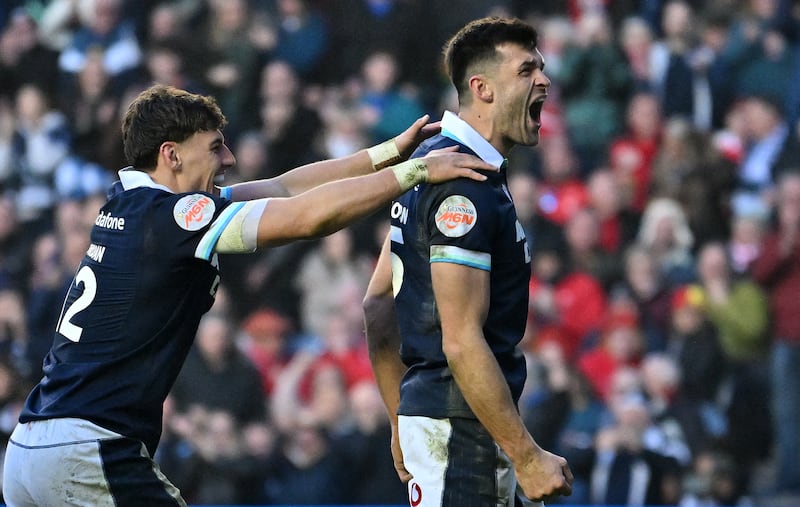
384, 352
462, 298
362, 162
325, 209
303, 178
383, 342
382, 332
480, 380
306, 177
330, 207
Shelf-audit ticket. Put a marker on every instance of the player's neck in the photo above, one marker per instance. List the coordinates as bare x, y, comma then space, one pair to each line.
483, 122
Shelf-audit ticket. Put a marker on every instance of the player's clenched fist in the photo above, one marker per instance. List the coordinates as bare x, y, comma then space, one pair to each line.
544, 475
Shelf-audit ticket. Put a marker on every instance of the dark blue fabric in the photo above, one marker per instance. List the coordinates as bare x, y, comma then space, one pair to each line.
131, 476
428, 388
136, 330
470, 478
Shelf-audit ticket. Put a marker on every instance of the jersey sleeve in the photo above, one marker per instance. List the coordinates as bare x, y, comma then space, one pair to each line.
461, 223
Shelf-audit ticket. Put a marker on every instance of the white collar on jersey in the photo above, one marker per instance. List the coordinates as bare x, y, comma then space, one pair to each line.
457, 129
132, 178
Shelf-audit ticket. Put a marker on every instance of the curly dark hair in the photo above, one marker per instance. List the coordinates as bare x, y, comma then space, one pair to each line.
476, 43
165, 113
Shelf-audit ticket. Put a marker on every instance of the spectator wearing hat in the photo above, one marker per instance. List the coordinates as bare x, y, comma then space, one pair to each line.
732, 396
694, 343
694, 346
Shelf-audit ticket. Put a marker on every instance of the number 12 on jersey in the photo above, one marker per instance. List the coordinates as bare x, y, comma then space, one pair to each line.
65, 326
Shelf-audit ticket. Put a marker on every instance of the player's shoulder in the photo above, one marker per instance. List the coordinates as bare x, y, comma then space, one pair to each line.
194, 210
188, 211
437, 142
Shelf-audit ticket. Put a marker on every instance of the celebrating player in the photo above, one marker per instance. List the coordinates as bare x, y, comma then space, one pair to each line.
452, 285
89, 429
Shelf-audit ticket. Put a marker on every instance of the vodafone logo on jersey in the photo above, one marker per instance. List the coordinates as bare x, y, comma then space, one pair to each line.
456, 216
193, 212
414, 494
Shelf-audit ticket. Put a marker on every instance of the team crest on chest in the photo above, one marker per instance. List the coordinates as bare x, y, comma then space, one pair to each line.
456, 216
193, 212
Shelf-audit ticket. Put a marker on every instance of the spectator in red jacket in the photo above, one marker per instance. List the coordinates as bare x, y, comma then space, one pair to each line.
621, 345
566, 305
777, 269
632, 154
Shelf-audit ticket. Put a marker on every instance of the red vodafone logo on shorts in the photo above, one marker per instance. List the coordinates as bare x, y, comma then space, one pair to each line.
414, 494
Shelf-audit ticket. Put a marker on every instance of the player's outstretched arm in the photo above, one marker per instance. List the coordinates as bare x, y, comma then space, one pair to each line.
383, 343
330, 207
362, 162
462, 298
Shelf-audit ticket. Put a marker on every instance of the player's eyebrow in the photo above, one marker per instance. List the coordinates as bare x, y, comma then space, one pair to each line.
537, 62
217, 142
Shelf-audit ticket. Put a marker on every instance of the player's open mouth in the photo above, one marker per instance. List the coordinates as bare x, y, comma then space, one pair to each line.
535, 110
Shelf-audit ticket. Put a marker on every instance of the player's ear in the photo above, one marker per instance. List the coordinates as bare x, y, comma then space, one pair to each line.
481, 88
168, 151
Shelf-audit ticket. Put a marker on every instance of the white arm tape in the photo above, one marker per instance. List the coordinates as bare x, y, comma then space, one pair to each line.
240, 235
384, 154
410, 173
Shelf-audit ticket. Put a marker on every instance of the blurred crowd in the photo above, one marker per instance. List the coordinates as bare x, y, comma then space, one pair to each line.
662, 208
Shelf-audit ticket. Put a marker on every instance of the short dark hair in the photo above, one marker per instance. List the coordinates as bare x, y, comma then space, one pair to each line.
477, 42
165, 113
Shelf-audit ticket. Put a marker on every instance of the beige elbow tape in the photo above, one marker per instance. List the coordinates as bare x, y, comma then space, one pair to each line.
240, 235
384, 154
410, 173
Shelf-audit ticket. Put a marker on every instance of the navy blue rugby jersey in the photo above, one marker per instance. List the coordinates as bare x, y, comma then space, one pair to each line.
132, 311
466, 222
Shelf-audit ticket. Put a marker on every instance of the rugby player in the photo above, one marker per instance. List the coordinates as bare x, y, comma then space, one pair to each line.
450, 292
89, 429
